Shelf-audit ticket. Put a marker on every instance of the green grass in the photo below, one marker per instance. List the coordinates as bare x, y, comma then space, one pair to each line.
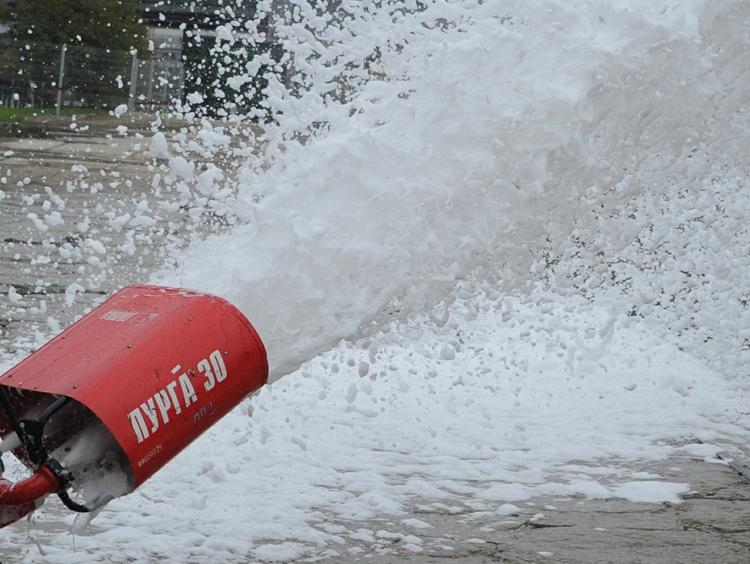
22, 114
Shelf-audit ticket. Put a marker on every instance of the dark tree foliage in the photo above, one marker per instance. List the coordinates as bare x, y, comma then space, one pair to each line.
104, 24
100, 37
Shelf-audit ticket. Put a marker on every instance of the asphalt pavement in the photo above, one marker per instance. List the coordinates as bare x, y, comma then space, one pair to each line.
100, 175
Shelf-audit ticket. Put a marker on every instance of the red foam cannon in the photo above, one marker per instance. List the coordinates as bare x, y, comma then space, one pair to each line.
104, 405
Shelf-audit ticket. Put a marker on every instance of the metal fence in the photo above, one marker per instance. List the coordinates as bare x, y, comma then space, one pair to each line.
69, 76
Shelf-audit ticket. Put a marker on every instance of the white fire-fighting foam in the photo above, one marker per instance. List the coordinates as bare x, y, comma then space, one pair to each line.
463, 135
597, 148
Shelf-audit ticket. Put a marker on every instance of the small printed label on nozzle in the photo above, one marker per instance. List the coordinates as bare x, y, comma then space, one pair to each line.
117, 315
153, 452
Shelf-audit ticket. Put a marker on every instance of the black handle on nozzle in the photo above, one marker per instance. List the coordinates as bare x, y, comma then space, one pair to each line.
33, 431
65, 477
31, 434
62, 473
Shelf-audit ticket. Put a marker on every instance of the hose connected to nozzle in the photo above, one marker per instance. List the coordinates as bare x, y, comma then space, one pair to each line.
20, 498
42, 482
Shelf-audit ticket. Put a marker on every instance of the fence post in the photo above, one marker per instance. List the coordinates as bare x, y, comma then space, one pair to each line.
63, 50
133, 82
150, 94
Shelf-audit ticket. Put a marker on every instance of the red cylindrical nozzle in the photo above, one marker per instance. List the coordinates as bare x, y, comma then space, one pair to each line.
43, 482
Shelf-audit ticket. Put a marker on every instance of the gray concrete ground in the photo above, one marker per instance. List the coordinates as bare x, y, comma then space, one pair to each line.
98, 178
711, 524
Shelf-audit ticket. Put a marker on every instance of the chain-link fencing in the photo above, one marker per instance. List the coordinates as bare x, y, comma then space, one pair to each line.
71, 76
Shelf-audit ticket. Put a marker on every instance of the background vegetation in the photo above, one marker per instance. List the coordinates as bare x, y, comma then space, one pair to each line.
100, 35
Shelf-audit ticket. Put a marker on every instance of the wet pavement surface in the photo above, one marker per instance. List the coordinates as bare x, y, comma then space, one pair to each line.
60, 201
712, 523
39, 260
